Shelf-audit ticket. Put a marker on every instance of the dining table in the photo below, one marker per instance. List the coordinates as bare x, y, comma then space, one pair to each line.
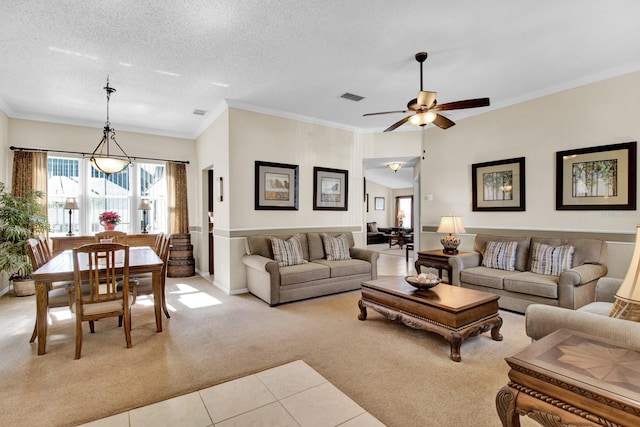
142, 259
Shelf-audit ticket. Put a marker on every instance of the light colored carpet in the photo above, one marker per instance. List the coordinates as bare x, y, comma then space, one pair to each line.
402, 376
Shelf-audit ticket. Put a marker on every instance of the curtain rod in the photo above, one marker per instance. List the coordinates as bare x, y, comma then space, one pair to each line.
42, 150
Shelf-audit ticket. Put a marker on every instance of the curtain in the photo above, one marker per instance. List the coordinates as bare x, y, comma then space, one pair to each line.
29, 173
177, 198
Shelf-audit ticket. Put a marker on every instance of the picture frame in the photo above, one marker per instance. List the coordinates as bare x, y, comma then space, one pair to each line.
330, 189
378, 203
597, 178
276, 186
499, 185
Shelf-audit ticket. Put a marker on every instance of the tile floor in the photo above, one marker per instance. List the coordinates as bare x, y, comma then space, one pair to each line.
293, 394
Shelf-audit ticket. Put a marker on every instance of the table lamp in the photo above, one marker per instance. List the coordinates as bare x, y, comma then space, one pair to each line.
627, 304
71, 204
400, 217
450, 224
144, 206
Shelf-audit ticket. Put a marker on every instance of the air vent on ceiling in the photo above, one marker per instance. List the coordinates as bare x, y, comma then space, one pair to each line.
352, 97
199, 112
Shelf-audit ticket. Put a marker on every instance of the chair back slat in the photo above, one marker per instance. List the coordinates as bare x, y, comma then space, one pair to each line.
35, 254
44, 246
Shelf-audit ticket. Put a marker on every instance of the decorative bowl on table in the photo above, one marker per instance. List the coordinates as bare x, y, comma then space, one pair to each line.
423, 281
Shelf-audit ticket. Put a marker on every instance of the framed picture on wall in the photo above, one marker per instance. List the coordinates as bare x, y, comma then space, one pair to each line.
276, 186
498, 185
330, 189
597, 178
378, 203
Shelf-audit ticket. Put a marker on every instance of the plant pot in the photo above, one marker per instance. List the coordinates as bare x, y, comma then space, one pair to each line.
24, 287
109, 227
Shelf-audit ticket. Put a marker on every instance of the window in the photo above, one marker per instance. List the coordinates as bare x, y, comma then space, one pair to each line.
99, 193
404, 211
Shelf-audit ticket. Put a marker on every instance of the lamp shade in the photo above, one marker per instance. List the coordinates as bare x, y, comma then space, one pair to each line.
70, 203
450, 224
145, 205
109, 165
400, 214
627, 305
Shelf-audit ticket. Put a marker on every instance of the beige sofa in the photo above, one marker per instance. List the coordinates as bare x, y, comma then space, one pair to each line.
276, 285
592, 319
572, 289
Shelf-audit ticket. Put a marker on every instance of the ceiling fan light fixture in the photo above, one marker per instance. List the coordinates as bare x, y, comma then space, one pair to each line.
423, 119
101, 157
395, 166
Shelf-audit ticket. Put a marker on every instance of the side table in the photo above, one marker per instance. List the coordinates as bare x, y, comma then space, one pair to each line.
435, 259
571, 378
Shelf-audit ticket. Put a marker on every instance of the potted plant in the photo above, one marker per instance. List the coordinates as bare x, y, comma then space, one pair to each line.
109, 220
21, 218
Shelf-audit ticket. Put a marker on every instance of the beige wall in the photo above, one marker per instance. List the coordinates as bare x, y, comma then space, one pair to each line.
384, 218
212, 152
5, 176
598, 114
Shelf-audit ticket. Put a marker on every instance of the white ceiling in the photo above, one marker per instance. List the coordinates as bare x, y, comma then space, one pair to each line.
295, 58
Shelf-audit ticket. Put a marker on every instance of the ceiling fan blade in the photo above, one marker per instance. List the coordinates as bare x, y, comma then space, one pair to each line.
442, 122
384, 112
459, 105
426, 99
397, 124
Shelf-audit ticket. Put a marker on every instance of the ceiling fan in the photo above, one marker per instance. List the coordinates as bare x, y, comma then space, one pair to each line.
425, 106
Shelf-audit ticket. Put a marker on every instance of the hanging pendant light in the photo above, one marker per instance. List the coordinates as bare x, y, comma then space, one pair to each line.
101, 157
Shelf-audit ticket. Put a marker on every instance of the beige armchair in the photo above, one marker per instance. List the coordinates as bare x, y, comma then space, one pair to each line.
593, 318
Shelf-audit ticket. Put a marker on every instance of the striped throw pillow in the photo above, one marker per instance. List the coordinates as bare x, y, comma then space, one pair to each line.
500, 255
287, 252
336, 248
551, 260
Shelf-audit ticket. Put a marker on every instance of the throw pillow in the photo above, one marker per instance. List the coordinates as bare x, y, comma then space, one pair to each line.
336, 248
500, 255
373, 227
551, 260
287, 252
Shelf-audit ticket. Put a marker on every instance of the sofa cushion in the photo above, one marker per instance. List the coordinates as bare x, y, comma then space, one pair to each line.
336, 248
487, 277
522, 250
261, 245
345, 268
302, 273
316, 247
287, 252
372, 227
587, 251
500, 255
551, 260
533, 284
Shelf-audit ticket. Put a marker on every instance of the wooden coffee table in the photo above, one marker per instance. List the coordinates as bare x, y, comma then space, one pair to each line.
453, 312
571, 378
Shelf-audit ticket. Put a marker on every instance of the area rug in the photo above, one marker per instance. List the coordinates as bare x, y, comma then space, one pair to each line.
402, 376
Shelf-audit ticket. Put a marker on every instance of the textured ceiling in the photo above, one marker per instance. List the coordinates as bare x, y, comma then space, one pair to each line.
295, 58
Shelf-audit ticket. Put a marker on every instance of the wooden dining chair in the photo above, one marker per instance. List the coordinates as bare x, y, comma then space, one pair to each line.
96, 264
60, 293
115, 236
144, 284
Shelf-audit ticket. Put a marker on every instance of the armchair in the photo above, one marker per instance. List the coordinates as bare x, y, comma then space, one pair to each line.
593, 318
